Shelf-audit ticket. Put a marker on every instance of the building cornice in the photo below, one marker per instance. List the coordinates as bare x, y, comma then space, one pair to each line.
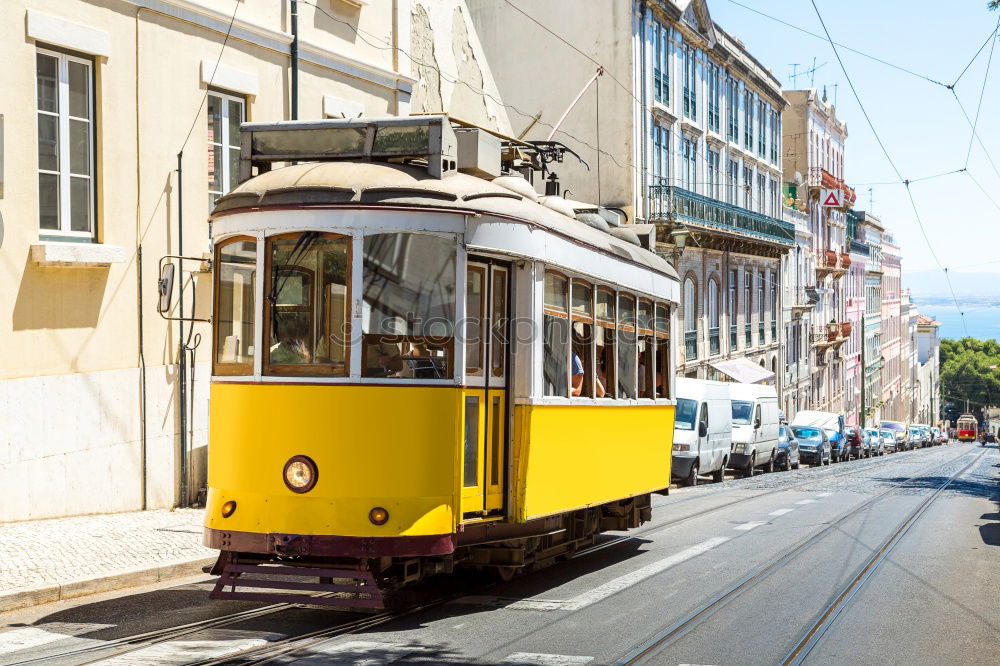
196, 13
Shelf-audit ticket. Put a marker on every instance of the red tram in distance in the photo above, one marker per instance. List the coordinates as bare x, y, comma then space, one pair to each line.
968, 428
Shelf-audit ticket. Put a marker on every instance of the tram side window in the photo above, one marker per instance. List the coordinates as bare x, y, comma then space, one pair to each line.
604, 341
661, 330
626, 347
235, 289
308, 300
408, 309
646, 346
556, 332
475, 305
582, 383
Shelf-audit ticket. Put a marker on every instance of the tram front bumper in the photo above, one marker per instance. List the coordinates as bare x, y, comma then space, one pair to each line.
328, 545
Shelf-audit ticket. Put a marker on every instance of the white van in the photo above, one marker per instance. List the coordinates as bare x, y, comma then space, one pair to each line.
755, 427
702, 431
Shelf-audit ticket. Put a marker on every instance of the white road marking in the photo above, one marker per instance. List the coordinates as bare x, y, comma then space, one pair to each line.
805, 501
824, 495
780, 512
540, 659
628, 580
213, 644
746, 527
24, 638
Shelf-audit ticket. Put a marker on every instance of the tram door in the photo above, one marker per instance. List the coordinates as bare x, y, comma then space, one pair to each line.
485, 427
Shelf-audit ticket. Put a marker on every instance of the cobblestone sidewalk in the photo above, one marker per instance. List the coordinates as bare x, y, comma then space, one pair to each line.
63, 557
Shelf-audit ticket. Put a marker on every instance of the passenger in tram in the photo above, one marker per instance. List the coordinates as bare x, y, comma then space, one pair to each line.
384, 360
576, 382
601, 379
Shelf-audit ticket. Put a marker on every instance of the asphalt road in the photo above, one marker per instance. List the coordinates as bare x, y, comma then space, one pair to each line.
894, 560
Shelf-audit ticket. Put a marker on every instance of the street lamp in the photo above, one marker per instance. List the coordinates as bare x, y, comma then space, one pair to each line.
679, 235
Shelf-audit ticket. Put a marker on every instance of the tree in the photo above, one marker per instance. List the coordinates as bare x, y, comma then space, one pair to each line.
970, 371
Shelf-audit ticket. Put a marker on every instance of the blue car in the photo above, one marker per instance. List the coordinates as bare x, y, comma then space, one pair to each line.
814, 445
788, 449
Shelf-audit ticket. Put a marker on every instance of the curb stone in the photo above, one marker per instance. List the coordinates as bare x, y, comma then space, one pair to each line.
26, 597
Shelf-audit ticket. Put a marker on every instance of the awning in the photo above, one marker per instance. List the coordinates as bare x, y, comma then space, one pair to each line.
744, 371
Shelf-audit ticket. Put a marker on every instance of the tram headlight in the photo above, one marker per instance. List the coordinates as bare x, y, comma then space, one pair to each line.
378, 516
228, 508
300, 474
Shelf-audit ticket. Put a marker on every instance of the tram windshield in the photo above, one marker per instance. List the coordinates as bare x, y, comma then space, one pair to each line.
408, 308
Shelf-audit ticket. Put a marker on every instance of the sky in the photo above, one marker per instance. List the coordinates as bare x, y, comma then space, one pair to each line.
919, 122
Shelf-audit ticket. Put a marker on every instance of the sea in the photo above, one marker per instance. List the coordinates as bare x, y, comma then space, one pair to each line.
981, 321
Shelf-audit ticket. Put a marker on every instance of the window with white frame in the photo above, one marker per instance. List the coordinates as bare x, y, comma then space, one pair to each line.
65, 109
714, 176
761, 132
661, 154
714, 85
748, 108
772, 198
775, 135
748, 187
689, 180
761, 193
690, 83
225, 113
661, 63
732, 110
733, 182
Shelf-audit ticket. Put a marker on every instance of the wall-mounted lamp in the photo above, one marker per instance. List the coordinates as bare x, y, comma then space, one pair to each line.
679, 235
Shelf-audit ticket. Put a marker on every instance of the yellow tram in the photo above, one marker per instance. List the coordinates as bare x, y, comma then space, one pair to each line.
419, 365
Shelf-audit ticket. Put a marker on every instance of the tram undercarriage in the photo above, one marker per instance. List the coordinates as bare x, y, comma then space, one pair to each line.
292, 573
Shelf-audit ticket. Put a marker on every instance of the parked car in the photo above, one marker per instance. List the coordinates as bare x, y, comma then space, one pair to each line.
833, 424
945, 436
814, 444
935, 435
788, 449
876, 444
703, 433
858, 444
888, 440
899, 432
755, 427
915, 435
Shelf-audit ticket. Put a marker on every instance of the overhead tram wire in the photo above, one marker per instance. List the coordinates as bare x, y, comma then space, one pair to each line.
888, 157
982, 92
843, 46
973, 59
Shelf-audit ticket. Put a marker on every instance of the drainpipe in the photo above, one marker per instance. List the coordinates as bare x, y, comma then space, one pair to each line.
295, 59
181, 346
643, 187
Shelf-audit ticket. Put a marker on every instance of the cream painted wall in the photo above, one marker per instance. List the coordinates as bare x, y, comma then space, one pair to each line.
69, 358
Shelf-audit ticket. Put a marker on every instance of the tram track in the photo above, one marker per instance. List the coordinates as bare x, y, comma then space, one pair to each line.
132, 644
664, 639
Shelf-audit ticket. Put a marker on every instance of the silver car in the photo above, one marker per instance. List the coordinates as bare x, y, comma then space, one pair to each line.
888, 440
876, 445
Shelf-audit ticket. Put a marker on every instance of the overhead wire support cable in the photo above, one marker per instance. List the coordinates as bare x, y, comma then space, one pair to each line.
843, 46
909, 193
982, 92
975, 133
969, 64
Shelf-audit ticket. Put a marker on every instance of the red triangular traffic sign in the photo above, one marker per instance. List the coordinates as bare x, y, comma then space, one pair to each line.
831, 200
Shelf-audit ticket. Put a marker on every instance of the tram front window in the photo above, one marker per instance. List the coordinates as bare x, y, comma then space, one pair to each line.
408, 312
308, 304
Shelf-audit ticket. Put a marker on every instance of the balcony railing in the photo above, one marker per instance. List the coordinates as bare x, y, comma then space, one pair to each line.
690, 345
733, 333
713, 341
669, 203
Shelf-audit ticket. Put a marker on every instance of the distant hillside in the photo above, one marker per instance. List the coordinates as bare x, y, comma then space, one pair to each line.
932, 283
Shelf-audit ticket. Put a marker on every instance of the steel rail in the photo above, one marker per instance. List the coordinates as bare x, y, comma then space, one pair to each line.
849, 592
679, 629
134, 643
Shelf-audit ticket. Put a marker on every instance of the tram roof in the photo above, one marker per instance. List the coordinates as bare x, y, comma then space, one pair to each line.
384, 184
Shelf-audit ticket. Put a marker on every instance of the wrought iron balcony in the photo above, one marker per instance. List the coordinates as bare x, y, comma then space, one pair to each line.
690, 345
675, 204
